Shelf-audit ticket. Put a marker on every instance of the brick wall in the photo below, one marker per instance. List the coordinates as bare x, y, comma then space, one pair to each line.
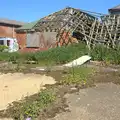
21, 38
6, 31
9, 31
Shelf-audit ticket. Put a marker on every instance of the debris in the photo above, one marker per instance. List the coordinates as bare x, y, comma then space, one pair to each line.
39, 69
79, 61
28, 118
74, 88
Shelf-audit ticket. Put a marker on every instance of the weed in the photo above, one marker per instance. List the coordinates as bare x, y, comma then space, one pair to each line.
31, 106
109, 55
58, 55
62, 55
77, 75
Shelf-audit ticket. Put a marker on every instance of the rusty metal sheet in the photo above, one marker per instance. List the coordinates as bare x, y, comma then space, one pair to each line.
41, 39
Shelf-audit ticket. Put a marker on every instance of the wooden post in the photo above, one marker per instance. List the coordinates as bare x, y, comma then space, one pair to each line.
13, 32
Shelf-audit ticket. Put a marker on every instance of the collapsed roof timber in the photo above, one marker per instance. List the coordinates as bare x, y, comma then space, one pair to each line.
55, 21
92, 29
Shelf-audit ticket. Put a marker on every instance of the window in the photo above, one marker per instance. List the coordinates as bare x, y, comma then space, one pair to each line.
1, 42
8, 42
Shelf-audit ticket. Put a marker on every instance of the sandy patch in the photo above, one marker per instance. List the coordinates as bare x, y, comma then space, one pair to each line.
15, 86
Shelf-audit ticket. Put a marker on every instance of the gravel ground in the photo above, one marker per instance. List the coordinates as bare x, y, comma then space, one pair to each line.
98, 103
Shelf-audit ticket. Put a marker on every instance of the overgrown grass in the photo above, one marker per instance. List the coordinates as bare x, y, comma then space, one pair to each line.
62, 55
52, 56
108, 55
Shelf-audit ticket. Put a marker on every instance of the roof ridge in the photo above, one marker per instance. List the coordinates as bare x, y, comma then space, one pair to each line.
11, 20
115, 7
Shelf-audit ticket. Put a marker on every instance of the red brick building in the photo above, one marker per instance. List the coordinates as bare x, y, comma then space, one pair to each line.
7, 30
7, 27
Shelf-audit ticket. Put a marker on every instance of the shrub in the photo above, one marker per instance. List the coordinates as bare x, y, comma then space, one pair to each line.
3, 48
109, 55
99, 53
14, 57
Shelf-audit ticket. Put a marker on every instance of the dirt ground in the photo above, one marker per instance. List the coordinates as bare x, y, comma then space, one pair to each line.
101, 102
15, 86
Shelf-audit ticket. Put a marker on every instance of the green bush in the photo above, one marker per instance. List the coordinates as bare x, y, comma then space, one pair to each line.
102, 53
63, 54
14, 57
99, 53
3, 48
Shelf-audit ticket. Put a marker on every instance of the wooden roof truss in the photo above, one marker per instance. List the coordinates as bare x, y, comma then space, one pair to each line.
93, 30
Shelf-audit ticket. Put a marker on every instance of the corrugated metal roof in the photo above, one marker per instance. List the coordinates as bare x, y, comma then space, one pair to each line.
28, 26
11, 22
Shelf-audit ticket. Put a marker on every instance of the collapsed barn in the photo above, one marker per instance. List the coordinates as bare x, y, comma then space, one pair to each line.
57, 29
71, 26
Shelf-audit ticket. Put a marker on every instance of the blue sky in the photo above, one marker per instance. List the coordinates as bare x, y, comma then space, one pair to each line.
30, 10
